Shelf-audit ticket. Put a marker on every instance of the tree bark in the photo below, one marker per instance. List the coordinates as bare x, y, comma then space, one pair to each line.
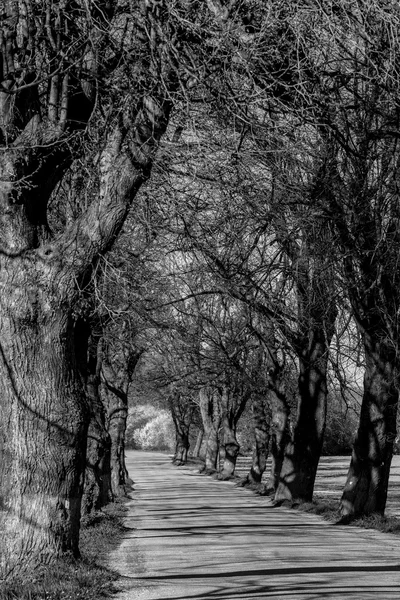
280, 436
261, 423
182, 409
101, 459
43, 406
365, 491
117, 416
211, 418
199, 441
316, 316
182, 446
42, 453
229, 441
302, 454
118, 364
97, 488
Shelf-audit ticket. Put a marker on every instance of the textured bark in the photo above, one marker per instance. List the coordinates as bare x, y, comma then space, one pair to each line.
182, 410
43, 426
181, 447
280, 435
365, 491
316, 315
302, 453
117, 413
199, 441
97, 488
229, 443
117, 416
211, 417
261, 412
42, 401
119, 360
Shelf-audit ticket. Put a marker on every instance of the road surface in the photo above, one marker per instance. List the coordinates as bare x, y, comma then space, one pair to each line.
191, 537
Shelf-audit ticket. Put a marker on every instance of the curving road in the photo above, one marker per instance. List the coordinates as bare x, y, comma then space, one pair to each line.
191, 537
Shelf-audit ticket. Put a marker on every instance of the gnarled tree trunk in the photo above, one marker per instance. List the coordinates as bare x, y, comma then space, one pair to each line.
280, 436
117, 414
261, 410
44, 420
97, 488
119, 360
302, 453
210, 415
317, 312
182, 446
199, 441
365, 491
182, 410
229, 441
44, 415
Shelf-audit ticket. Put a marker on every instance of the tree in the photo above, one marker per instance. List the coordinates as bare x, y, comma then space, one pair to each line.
63, 65
349, 95
182, 410
271, 254
333, 76
310, 90
97, 486
211, 419
119, 357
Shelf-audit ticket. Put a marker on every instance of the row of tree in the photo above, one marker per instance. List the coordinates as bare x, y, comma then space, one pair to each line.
212, 185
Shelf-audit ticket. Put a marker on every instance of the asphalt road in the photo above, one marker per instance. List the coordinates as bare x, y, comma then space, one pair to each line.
191, 537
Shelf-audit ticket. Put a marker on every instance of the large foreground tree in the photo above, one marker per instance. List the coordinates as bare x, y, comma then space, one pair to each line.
63, 65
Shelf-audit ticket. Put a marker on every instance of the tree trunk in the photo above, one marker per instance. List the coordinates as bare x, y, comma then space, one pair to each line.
199, 441
261, 422
119, 360
43, 432
97, 488
303, 452
117, 414
44, 416
182, 446
182, 409
98, 485
230, 450
211, 422
229, 441
365, 491
280, 436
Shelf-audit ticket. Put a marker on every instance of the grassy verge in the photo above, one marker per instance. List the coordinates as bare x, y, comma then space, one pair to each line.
69, 579
329, 510
324, 506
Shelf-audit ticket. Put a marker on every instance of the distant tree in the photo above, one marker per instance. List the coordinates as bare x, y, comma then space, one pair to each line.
182, 410
118, 360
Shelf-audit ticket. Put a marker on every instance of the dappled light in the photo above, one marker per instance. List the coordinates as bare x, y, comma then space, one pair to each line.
199, 255
192, 537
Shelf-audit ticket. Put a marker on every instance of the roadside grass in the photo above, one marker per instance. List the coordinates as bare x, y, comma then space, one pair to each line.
384, 524
70, 579
328, 509
323, 505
